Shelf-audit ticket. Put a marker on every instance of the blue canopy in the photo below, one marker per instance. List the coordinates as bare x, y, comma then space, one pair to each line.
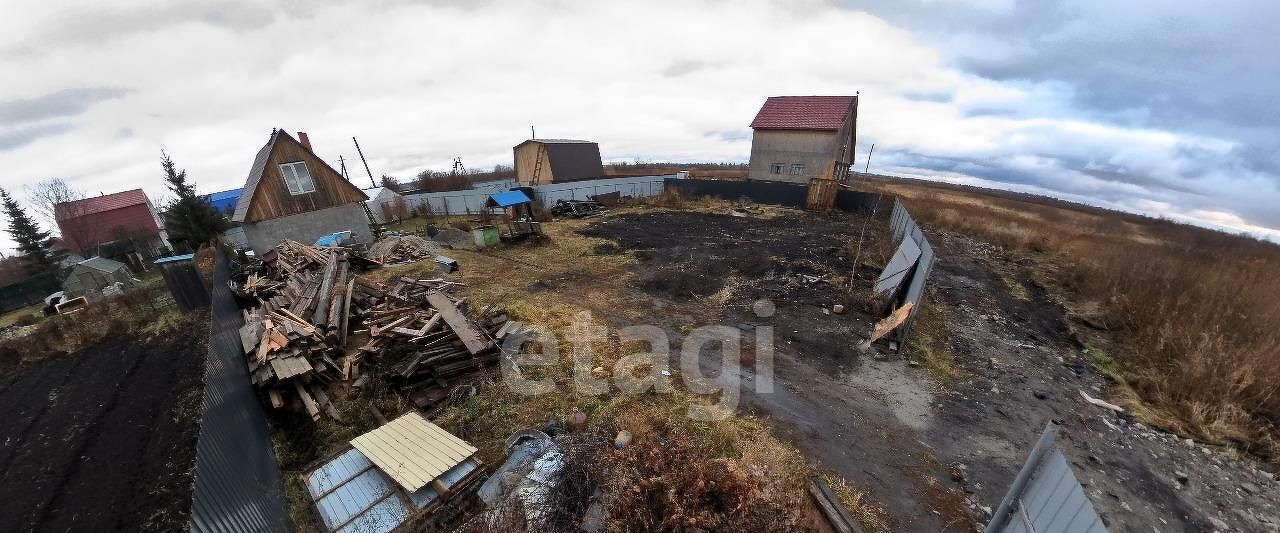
508, 199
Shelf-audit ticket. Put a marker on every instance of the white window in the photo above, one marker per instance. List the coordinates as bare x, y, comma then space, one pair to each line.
797, 170
296, 178
775, 168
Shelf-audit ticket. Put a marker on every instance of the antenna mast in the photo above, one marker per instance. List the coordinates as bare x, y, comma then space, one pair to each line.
366, 163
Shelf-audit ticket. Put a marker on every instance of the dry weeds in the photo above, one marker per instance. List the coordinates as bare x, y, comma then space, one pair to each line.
1191, 314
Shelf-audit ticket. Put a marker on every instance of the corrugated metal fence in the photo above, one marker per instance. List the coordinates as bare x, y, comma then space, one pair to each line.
904, 227
1045, 496
237, 482
472, 201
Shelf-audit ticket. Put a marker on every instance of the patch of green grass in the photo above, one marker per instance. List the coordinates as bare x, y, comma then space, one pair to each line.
1107, 365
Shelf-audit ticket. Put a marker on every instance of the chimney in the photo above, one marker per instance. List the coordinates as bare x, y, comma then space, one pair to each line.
302, 138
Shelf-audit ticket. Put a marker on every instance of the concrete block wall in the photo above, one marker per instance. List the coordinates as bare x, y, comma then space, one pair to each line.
309, 226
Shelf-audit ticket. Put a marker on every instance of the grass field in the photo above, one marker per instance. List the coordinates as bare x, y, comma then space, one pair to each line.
1185, 319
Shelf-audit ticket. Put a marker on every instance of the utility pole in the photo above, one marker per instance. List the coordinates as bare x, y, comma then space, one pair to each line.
366, 163
343, 166
868, 167
532, 133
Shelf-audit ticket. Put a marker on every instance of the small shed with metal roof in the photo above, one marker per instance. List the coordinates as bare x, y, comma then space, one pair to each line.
91, 276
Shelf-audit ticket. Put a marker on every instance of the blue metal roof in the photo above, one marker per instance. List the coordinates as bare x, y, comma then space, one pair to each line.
225, 200
174, 258
509, 198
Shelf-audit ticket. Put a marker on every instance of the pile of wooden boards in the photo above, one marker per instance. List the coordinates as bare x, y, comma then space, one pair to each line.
399, 249
317, 321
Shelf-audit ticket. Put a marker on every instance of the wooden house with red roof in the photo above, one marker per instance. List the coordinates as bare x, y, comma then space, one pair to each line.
796, 138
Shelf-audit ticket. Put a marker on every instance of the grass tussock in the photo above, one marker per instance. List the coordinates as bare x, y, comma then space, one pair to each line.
1191, 316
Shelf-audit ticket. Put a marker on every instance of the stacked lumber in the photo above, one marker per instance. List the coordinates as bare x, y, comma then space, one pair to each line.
403, 249
316, 323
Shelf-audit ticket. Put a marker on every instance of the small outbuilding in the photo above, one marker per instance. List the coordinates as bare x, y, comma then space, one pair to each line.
542, 161
91, 276
386, 204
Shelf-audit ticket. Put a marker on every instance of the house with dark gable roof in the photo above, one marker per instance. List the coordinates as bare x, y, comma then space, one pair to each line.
796, 138
291, 193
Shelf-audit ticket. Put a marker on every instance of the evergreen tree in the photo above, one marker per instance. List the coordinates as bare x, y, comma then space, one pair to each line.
188, 218
34, 245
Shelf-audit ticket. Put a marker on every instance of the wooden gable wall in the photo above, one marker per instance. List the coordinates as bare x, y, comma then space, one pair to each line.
271, 199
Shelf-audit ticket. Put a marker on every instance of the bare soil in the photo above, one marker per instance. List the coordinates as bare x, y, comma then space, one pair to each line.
102, 439
937, 456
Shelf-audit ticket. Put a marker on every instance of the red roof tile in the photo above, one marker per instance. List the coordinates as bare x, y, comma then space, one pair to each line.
98, 204
803, 112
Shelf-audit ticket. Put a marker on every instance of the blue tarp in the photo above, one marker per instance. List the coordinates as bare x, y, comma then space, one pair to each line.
508, 199
173, 258
225, 201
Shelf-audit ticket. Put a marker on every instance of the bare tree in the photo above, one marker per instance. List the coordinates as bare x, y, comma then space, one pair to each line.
45, 195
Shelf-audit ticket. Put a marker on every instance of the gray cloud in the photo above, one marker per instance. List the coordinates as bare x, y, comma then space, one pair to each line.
63, 103
15, 138
101, 24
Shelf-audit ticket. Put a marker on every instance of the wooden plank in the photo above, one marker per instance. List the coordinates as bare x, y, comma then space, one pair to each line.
346, 313
277, 399
471, 336
307, 401
889, 324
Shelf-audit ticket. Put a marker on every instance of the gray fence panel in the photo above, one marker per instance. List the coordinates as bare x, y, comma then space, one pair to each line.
237, 482
471, 201
1045, 496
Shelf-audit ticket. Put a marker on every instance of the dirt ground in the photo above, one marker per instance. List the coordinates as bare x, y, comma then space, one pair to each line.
102, 439
937, 453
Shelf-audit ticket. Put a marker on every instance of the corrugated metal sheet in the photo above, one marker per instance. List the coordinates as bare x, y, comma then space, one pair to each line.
237, 483
900, 265
1045, 496
905, 228
353, 495
413, 451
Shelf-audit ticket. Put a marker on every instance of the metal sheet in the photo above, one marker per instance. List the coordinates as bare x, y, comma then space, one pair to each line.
906, 256
1046, 496
413, 451
237, 483
352, 494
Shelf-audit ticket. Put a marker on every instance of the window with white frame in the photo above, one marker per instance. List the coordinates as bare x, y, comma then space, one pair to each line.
797, 170
775, 168
297, 178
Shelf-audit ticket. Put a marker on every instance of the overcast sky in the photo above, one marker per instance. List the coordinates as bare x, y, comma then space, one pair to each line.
1153, 106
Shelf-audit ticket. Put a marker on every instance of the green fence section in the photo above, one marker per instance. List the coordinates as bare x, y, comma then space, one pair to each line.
27, 292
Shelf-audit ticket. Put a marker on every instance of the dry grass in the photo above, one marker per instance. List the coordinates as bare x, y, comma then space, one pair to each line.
550, 285
1189, 315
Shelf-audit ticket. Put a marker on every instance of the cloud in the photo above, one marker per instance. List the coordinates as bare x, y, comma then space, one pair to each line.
59, 104
1048, 96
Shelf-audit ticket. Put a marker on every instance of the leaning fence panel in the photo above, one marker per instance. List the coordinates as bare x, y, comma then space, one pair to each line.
237, 482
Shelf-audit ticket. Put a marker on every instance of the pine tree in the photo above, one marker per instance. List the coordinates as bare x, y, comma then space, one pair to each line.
188, 218
35, 245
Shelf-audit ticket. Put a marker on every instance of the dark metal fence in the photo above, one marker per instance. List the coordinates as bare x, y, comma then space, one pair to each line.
237, 481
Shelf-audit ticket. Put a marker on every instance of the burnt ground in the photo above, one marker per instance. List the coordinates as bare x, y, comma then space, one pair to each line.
102, 439
937, 456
